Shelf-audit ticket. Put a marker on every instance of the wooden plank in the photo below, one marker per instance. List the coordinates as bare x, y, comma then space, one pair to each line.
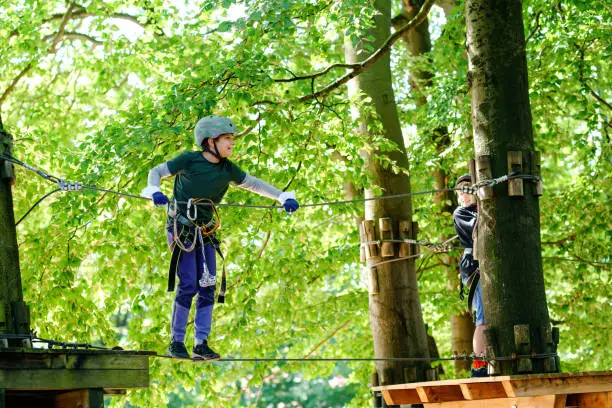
476, 391
591, 400
560, 385
73, 361
544, 401
50, 379
440, 394
401, 397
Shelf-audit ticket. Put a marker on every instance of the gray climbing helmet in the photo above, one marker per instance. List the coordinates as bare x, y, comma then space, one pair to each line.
212, 127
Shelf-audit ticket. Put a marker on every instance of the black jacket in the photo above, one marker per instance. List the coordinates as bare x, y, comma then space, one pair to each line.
464, 219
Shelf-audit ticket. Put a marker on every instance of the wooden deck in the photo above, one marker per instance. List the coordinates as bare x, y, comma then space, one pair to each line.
559, 390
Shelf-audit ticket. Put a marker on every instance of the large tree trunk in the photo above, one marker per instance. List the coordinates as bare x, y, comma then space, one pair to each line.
418, 43
508, 230
395, 311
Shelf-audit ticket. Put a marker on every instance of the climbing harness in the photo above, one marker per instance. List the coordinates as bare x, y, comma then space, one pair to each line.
191, 236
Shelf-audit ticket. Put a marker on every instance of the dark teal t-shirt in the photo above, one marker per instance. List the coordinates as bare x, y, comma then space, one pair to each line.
196, 177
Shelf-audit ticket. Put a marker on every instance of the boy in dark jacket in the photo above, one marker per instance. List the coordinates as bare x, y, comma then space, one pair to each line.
464, 218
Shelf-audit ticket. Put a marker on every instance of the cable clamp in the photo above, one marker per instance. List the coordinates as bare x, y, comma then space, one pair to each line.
468, 189
69, 186
500, 179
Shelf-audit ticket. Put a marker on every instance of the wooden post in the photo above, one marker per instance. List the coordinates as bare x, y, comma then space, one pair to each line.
1, 397
491, 347
377, 395
410, 374
550, 363
484, 172
386, 233
515, 165
472, 170
536, 170
373, 280
522, 342
362, 246
405, 227
415, 232
368, 228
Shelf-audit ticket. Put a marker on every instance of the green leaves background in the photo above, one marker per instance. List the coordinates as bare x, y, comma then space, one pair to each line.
115, 88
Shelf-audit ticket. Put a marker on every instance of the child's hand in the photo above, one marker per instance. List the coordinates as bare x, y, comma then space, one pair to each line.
159, 199
291, 205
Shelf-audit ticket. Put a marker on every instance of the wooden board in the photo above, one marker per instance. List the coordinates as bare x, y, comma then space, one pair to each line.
547, 401
77, 369
448, 393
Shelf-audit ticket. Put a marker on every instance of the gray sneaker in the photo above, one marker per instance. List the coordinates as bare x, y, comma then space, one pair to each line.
203, 352
177, 349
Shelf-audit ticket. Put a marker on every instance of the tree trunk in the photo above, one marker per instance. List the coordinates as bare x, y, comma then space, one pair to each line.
396, 319
508, 230
14, 317
418, 43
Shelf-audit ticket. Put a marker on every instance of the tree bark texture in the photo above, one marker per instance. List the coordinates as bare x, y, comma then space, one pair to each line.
508, 231
11, 296
396, 319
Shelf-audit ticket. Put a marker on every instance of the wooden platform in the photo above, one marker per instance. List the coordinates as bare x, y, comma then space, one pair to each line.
559, 390
55, 374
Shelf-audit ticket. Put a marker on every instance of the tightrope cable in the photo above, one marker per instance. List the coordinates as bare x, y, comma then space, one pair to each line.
53, 344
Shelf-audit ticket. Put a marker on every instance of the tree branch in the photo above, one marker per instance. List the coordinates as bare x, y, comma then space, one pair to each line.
13, 84
386, 47
80, 36
320, 73
561, 242
62, 27
328, 338
536, 27
582, 80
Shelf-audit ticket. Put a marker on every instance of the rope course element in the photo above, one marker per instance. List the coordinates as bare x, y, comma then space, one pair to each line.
435, 247
53, 344
77, 186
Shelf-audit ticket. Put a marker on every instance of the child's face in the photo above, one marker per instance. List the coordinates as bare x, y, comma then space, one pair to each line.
225, 144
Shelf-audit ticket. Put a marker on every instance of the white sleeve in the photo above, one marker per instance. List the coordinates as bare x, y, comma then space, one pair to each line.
260, 187
155, 176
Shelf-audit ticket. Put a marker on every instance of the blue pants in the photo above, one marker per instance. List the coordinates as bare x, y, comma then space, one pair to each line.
190, 270
477, 302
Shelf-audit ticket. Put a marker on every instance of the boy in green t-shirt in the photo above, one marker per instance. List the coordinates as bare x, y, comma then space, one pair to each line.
201, 174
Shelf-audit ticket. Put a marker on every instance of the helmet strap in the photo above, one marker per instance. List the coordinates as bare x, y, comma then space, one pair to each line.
222, 160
